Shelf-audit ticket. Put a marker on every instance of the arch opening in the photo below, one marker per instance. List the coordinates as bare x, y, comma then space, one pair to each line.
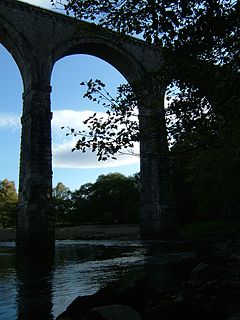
106, 50
14, 43
71, 106
10, 128
75, 169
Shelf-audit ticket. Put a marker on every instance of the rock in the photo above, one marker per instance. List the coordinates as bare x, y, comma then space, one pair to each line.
201, 272
82, 305
184, 268
134, 289
209, 291
170, 310
113, 312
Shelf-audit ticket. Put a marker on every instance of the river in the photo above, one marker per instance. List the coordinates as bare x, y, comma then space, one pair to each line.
40, 285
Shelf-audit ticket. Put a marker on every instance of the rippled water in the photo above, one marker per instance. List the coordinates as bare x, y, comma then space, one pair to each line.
40, 285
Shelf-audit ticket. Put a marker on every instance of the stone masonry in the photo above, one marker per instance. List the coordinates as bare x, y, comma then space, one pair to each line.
37, 39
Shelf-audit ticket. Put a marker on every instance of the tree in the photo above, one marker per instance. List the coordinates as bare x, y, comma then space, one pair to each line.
118, 130
62, 204
169, 22
8, 203
203, 29
117, 198
83, 208
61, 191
113, 198
199, 40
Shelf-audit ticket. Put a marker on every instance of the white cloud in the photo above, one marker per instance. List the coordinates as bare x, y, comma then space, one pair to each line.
9, 121
62, 145
64, 158
47, 4
71, 118
40, 3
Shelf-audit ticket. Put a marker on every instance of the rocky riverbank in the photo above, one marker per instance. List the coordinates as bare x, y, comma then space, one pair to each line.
207, 286
206, 283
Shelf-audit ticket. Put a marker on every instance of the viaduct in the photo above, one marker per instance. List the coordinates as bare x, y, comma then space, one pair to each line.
37, 39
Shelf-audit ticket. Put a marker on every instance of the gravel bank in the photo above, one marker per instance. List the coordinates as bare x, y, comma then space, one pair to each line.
86, 232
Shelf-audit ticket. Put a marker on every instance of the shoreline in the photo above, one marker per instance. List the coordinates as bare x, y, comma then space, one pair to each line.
86, 232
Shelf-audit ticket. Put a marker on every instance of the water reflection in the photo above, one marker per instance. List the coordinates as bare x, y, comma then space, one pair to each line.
163, 259
34, 269
7, 282
161, 265
40, 284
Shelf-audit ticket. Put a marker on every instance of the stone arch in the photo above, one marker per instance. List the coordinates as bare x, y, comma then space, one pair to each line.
19, 48
102, 48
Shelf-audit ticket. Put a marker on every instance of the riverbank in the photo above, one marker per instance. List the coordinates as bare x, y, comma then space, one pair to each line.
86, 232
207, 284
210, 231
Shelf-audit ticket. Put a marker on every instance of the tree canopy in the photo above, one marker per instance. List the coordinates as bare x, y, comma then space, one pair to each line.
206, 29
8, 203
200, 41
112, 198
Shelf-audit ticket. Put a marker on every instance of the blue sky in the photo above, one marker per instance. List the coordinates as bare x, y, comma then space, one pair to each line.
69, 109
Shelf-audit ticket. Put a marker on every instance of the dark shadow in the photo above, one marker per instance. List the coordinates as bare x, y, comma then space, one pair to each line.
164, 260
34, 283
160, 267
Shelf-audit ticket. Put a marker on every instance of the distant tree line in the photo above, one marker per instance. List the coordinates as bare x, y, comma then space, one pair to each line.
8, 203
113, 198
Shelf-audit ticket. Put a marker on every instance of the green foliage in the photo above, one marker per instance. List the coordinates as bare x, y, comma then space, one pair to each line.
204, 147
200, 43
113, 198
116, 197
8, 203
206, 157
197, 24
84, 210
61, 191
62, 204
118, 130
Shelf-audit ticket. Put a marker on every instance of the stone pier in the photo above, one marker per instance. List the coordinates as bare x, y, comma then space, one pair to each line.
158, 212
35, 224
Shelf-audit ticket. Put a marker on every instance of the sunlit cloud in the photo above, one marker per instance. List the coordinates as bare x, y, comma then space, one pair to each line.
63, 157
62, 145
63, 120
47, 4
40, 3
71, 118
9, 121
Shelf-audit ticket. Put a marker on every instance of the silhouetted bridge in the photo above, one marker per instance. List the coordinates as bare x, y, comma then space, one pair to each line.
37, 39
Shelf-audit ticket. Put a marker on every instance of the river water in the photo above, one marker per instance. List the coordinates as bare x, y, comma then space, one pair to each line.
40, 285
